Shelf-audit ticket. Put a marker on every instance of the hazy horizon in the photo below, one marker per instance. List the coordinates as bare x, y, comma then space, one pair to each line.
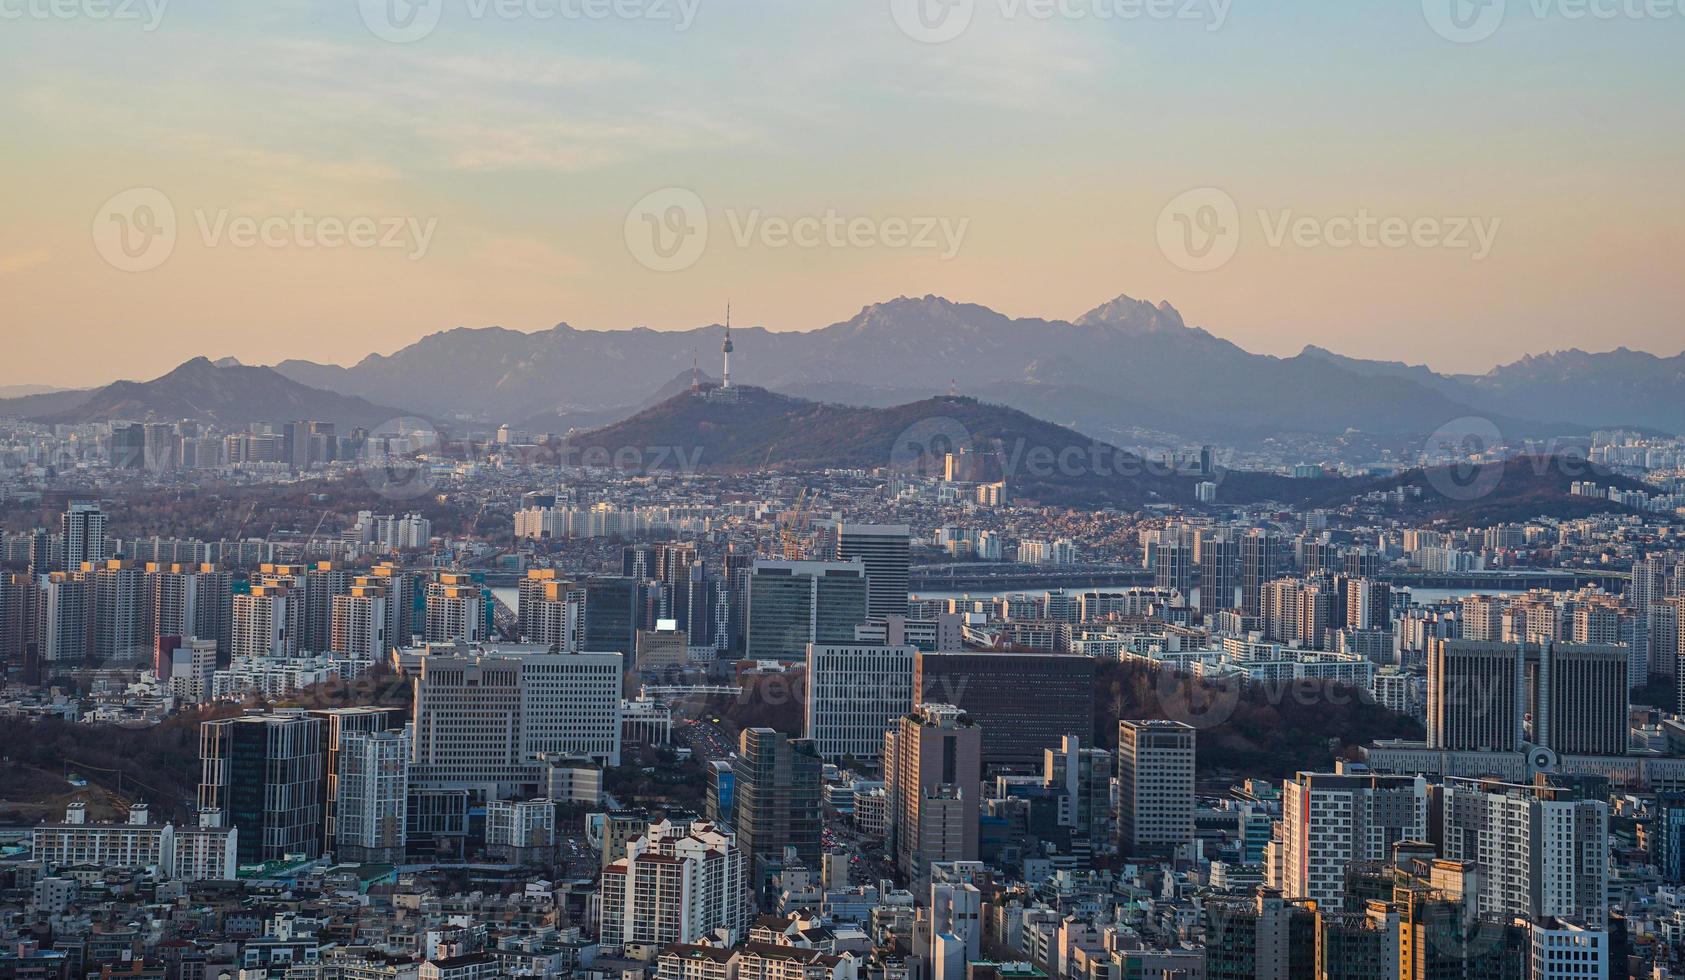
739, 324
325, 180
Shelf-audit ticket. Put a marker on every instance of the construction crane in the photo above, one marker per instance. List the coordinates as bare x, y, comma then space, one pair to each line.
793, 533
318, 530
250, 511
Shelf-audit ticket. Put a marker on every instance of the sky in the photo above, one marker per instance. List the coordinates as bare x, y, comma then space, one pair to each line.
1451, 182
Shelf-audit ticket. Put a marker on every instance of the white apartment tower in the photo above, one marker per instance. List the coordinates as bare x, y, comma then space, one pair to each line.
1543, 850
371, 795
358, 627
676, 884
265, 623
1332, 819
455, 610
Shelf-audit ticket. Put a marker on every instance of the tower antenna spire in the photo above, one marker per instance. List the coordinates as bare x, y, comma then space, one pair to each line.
725, 349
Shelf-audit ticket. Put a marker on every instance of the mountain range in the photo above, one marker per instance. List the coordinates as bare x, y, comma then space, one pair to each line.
1128, 371
1124, 367
227, 393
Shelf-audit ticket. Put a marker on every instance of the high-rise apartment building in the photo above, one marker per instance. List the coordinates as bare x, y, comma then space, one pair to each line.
1482, 618
1329, 820
1155, 774
551, 611
1173, 561
1299, 611
358, 627
192, 600
455, 609
1219, 571
82, 527
529, 591
337, 724
678, 882
62, 625
266, 623
323, 582
122, 612
401, 620
1542, 849
17, 615
1261, 559
370, 795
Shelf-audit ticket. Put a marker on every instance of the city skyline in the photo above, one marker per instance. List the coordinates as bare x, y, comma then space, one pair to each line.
508, 161
902, 490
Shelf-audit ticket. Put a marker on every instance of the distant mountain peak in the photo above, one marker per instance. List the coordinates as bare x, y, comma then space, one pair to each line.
1134, 315
225, 393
